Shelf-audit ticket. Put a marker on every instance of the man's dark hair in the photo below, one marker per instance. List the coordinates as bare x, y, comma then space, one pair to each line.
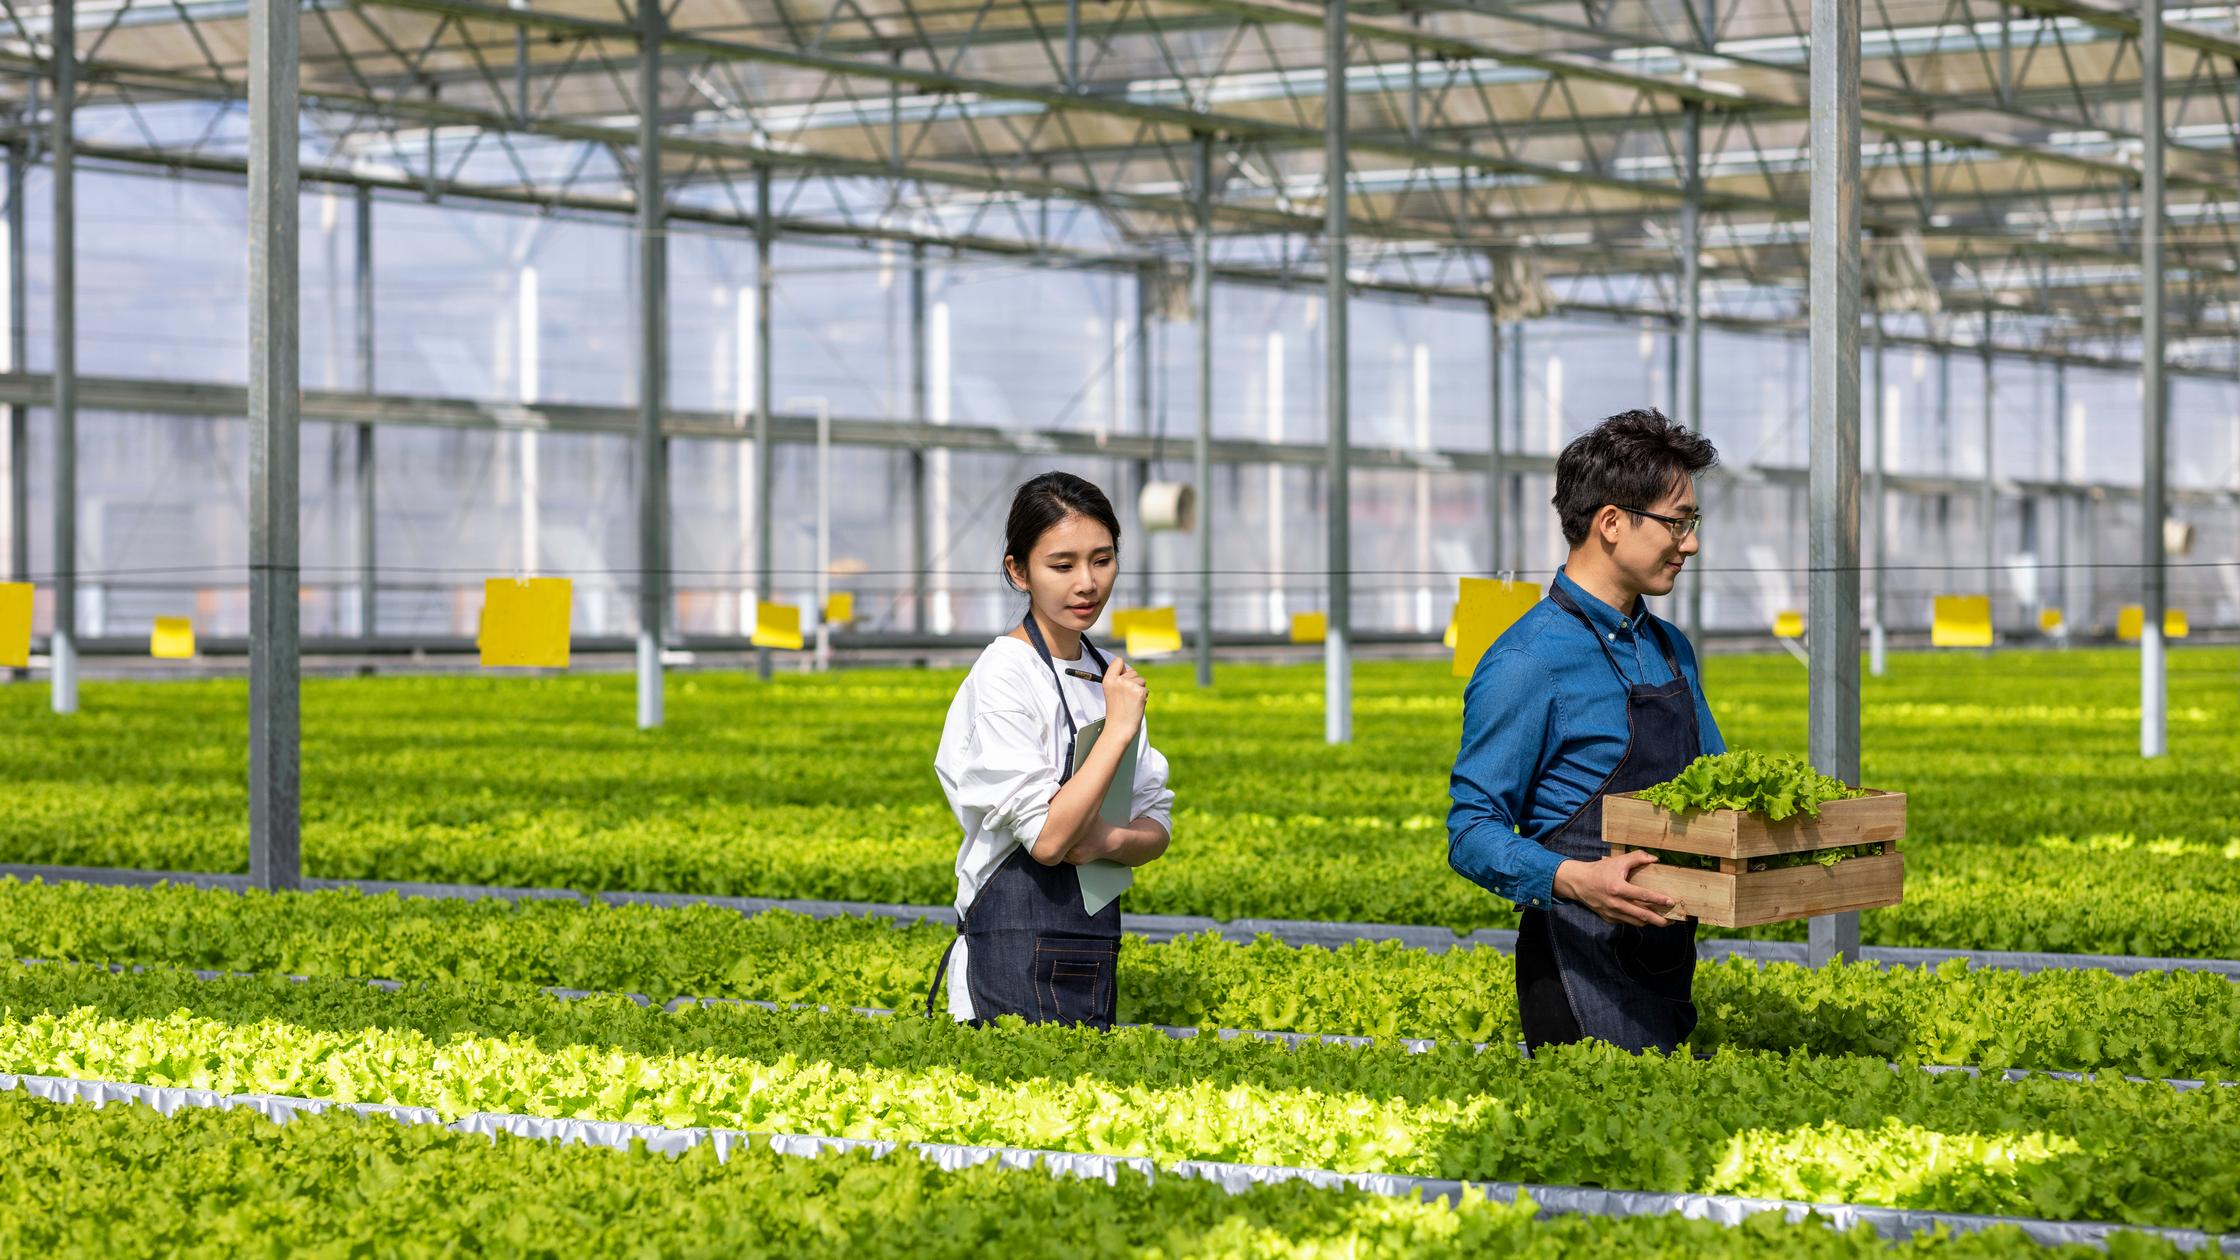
1631, 460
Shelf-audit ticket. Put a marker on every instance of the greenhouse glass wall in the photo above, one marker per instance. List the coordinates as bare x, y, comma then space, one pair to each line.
498, 307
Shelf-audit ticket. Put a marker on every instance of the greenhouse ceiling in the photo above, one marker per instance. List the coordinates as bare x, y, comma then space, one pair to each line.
1489, 145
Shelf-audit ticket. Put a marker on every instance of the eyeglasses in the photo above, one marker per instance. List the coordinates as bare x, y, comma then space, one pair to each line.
1681, 526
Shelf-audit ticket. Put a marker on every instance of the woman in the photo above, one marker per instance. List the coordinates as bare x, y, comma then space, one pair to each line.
1028, 944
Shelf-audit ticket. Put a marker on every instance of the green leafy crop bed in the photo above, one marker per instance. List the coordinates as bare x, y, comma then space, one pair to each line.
125, 1181
1770, 784
1789, 1126
2033, 822
2183, 1024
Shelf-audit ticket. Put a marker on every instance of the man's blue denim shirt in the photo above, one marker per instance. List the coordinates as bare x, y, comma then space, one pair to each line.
1543, 724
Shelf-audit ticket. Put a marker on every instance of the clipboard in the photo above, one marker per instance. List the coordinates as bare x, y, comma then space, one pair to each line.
1101, 880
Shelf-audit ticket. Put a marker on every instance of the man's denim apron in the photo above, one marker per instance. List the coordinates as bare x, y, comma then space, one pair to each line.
1577, 975
1036, 950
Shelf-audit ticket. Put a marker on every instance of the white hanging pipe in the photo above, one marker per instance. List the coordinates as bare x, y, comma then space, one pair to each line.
2155, 402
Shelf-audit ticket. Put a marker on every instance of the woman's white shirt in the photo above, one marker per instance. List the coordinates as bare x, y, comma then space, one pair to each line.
998, 764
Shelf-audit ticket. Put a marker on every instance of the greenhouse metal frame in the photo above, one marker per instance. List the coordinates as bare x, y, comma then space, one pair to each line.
2051, 180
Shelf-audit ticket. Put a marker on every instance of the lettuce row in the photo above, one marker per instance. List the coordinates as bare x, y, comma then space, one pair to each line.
124, 1180
2034, 824
1776, 786
1841, 1129
2184, 1024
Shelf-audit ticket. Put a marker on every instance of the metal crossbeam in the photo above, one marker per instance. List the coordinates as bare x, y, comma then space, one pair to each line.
417, 411
2003, 135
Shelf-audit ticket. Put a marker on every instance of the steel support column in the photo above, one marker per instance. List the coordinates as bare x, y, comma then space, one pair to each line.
1987, 503
1073, 45
369, 537
1201, 452
2155, 394
1518, 389
1337, 648
1497, 490
1689, 380
1944, 442
1878, 635
2062, 512
1140, 407
2088, 571
62, 150
1833, 603
275, 445
18, 417
653, 358
919, 552
765, 392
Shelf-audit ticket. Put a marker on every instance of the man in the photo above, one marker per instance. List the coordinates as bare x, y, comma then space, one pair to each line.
1590, 693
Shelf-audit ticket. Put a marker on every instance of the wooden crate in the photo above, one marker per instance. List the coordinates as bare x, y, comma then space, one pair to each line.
1736, 896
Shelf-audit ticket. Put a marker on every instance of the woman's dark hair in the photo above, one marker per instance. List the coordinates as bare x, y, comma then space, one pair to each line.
1630, 460
1044, 503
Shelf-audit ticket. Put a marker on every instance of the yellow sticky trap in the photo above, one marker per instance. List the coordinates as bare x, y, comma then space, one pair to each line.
777, 626
1449, 637
2133, 619
840, 608
15, 624
1961, 621
1122, 618
1788, 624
172, 639
1484, 611
2049, 619
1152, 632
1311, 627
525, 623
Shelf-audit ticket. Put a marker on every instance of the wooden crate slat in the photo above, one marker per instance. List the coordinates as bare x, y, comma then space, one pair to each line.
1877, 818
1708, 895
1759, 897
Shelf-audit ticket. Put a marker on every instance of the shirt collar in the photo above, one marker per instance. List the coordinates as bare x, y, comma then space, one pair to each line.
1606, 620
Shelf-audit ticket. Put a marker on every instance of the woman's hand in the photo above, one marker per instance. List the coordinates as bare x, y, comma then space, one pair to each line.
1125, 693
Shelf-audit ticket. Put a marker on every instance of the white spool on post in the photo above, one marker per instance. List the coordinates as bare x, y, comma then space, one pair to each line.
1168, 505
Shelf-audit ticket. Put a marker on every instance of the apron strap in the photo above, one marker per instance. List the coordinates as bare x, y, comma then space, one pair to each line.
1565, 602
1664, 644
941, 970
1042, 649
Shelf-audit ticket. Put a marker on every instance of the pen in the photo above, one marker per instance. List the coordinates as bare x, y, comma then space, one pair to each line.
1082, 673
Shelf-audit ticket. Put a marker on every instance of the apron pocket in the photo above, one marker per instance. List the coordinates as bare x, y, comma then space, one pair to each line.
1661, 959
1074, 979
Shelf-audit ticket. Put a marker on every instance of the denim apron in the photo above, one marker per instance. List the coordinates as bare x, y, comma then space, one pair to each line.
1577, 975
1036, 950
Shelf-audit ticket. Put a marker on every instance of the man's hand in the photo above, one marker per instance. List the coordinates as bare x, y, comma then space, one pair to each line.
1607, 888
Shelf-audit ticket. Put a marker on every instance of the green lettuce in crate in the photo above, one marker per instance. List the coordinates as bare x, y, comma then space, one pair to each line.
1770, 784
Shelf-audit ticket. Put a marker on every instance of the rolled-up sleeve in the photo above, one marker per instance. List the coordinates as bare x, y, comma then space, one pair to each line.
1004, 777
1511, 722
